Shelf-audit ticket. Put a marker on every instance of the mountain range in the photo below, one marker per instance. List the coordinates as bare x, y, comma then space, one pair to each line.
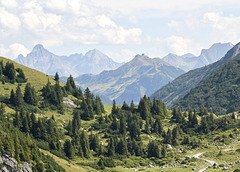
93, 62
182, 85
189, 61
140, 76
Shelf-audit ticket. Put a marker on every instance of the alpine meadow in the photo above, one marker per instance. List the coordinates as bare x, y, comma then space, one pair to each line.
110, 86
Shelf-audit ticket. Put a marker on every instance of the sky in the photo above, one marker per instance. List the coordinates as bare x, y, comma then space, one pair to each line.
118, 28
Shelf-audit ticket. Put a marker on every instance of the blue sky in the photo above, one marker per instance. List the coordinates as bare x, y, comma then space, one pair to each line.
120, 29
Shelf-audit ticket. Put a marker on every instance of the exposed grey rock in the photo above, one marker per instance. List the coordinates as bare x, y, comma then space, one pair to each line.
141, 76
11, 165
68, 103
169, 147
189, 61
93, 62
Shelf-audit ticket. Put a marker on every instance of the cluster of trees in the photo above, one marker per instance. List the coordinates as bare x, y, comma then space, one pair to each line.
53, 96
41, 129
30, 96
20, 145
9, 74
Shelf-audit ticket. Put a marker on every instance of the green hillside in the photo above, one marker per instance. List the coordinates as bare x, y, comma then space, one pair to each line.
220, 91
62, 128
179, 87
141, 76
36, 78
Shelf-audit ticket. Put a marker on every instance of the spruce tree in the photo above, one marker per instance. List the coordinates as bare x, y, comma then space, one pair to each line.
19, 97
56, 78
111, 147
12, 99
85, 145
28, 97
122, 129
68, 149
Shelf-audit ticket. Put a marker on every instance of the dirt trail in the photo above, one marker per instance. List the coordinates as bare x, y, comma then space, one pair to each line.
209, 161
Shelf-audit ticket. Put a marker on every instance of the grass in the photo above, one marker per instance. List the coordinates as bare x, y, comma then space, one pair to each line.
36, 78
68, 166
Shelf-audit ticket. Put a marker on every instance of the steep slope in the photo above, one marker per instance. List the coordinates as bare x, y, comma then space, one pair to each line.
92, 62
185, 62
36, 78
179, 87
220, 91
189, 61
129, 82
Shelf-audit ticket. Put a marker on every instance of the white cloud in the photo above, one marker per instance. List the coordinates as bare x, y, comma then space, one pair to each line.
13, 50
123, 55
222, 28
9, 20
10, 4
178, 45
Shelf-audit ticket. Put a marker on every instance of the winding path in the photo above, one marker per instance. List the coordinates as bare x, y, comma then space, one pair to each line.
198, 157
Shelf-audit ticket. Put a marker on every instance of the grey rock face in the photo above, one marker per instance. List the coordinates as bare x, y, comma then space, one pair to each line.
208, 56
10, 165
41, 59
141, 76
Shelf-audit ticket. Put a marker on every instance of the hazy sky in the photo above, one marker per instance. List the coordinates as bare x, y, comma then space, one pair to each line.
119, 28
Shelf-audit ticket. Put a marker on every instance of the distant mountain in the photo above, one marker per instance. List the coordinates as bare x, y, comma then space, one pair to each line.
208, 56
140, 76
220, 91
92, 62
179, 87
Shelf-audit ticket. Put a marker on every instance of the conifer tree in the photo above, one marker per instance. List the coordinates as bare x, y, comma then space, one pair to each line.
28, 97
157, 126
85, 111
122, 129
12, 99
85, 145
1, 68
147, 126
2, 109
122, 147
153, 149
114, 107
19, 97
56, 78
125, 106
68, 149
168, 137
111, 147
164, 152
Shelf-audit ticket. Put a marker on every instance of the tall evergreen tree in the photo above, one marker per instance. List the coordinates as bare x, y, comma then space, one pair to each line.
56, 78
68, 149
19, 97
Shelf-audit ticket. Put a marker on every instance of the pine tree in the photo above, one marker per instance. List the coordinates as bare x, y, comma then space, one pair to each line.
68, 149
168, 137
19, 97
85, 145
76, 122
12, 99
157, 126
2, 109
28, 97
164, 152
122, 129
114, 107
153, 149
85, 111
111, 147
122, 147
56, 78
132, 106
147, 126
1, 68
125, 106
